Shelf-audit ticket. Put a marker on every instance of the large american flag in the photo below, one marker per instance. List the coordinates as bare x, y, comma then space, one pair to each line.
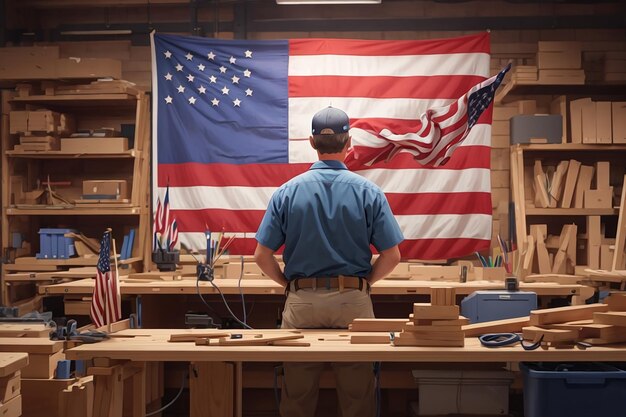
232, 120
106, 304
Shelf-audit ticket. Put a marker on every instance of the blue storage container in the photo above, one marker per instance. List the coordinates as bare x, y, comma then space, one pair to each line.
581, 389
481, 306
54, 245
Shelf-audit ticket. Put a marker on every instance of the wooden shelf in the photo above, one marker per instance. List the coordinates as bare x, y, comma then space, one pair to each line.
80, 99
71, 155
514, 89
569, 147
533, 211
76, 211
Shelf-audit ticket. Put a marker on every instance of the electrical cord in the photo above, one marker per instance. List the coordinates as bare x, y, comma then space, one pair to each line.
204, 301
243, 301
180, 391
378, 396
228, 306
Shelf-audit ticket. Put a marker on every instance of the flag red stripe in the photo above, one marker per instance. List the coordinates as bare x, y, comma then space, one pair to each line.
450, 248
402, 126
218, 219
274, 175
465, 44
253, 175
440, 203
439, 86
410, 249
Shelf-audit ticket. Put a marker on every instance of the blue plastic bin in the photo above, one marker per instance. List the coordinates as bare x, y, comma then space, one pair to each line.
54, 245
583, 389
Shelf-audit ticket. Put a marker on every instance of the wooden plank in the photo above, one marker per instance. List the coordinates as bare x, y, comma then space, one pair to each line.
442, 296
556, 188
109, 392
615, 318
620, 235
359, 339
561, 256
211, 389
257, 340
543, 258
565, 314
29, 345
192, 337
616, 301
542, 199
404, 339
377, 325
496, 326
570, 183
549, 335
412, 327
585, 175
427, 311
12, 362
594, 241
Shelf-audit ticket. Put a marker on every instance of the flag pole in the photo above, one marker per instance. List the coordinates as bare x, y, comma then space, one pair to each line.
117, 290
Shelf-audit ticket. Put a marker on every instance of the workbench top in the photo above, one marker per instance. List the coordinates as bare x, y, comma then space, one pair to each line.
326, 345
267, 286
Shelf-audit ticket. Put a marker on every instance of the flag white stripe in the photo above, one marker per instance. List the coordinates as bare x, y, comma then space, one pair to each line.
393, 66
302, 109
301, 152
427, 226
443, 226
390, 181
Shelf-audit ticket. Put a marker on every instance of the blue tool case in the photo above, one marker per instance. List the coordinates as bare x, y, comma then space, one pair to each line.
481, 306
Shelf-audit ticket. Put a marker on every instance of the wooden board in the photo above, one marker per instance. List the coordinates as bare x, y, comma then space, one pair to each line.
29, 345
585, 175
404, 339
24, 330
412, 327
382, 339
253, 341
565, 314
12, 362
427, 311
549, 335
377, 325
615, 318
620, 235
570, 183
192, 337
442, 296
497, 326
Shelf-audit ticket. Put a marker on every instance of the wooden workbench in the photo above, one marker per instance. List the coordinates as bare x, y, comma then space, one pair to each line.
134, 347
266, 286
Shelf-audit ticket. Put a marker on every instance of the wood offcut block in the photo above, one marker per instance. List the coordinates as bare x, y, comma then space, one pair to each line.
570, 183
442, 296
405, 339
428, 311
549, 335
377, 325
615, 318
616, 301
585, 176
602, 198
565, 314
496, 326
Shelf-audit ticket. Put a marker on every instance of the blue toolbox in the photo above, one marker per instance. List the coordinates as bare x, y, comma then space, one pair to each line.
54, 245
481, 306
579, 389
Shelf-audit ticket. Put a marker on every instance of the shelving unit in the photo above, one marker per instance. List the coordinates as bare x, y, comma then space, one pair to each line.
517, 89
91, 111
522, 157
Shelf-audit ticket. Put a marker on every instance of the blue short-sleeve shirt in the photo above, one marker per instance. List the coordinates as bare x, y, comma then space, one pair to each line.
327, 218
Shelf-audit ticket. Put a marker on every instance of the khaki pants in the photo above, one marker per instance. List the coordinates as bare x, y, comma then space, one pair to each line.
327, 309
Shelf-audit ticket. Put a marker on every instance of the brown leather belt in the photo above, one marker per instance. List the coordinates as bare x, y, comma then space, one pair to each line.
341, 282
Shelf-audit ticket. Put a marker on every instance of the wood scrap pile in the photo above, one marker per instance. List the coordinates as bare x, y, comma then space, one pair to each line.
222, 338
434, 324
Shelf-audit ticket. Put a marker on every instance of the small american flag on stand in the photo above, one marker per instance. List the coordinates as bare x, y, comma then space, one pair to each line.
106, 303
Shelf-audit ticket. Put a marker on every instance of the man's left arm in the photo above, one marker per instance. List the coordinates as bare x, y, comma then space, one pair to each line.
264, 258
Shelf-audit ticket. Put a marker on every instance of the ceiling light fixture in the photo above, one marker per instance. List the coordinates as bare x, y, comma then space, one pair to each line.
97, 32
291, 2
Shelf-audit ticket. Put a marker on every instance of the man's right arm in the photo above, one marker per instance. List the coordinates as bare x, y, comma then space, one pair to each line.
384, 264
264, 258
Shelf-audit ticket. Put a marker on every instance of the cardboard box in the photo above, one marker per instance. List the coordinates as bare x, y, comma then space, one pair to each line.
43, 121
618, 117
94, 145
603, 122
106, 188
32, 68
555, 46
561, 76
18, 122
88, 68
569, 59
602, 198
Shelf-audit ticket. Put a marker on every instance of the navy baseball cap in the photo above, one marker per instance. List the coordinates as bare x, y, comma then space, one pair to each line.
330, 121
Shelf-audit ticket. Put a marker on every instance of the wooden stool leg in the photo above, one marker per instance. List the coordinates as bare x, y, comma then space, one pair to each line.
211, 389
109, 394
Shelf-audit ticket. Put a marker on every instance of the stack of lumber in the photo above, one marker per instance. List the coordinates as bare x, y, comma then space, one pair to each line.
524, 73
596, 324
434, 324
560, 63
561, 259
615, 67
